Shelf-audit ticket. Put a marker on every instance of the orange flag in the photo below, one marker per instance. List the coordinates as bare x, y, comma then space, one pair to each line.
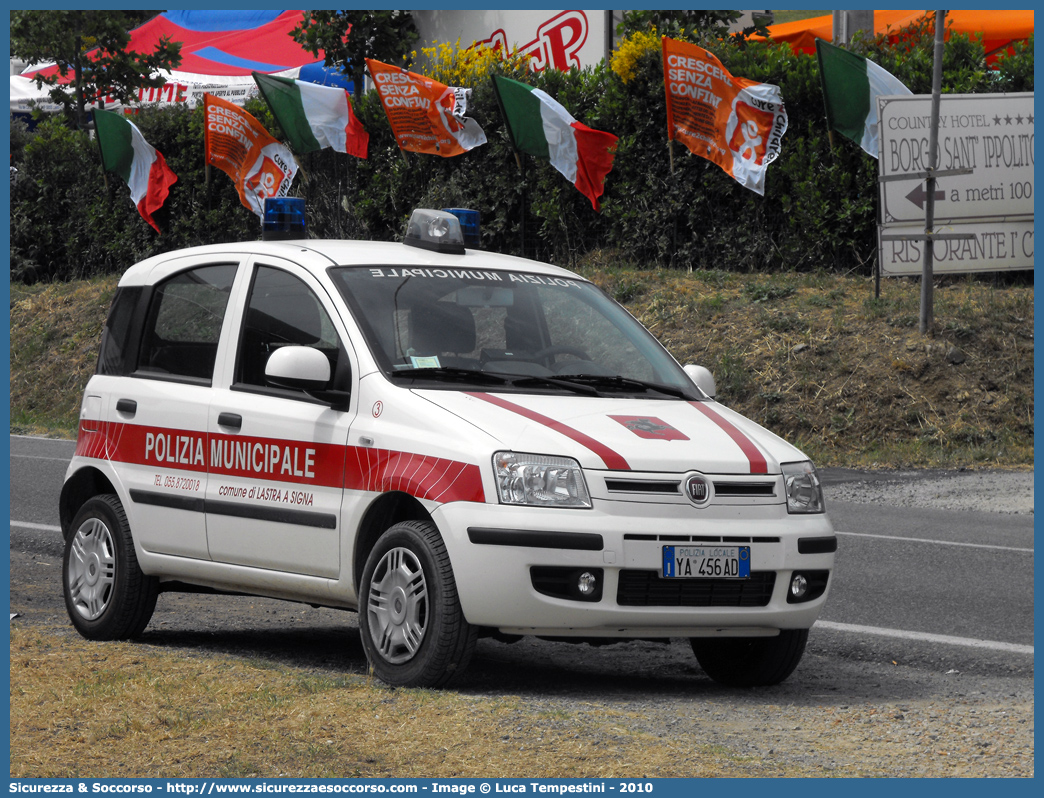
425, 115
237, 144
733, 122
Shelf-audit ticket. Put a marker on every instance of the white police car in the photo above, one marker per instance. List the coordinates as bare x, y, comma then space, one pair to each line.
451, 442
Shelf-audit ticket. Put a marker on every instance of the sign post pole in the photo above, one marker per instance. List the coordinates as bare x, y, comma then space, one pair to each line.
927, 298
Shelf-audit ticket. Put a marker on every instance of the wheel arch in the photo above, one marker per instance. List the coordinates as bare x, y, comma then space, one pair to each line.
78, 489
385, 511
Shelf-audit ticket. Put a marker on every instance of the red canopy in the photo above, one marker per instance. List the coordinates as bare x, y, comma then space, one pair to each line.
224, 42
266, 48
998, 29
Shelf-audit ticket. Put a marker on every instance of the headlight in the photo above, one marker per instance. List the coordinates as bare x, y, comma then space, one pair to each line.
540, 480
804, 491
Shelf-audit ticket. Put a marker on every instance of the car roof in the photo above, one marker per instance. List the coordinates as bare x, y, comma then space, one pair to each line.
320, 254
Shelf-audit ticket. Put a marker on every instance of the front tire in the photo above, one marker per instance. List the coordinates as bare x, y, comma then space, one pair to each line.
412, 627
750, 661
106, 594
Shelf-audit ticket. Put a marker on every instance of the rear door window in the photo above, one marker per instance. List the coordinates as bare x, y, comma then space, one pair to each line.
183, 325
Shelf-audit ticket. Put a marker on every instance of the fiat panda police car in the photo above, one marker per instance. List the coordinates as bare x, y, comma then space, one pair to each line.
450, 442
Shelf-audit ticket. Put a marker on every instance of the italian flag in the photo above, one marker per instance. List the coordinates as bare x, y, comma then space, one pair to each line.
125, 152
851, 86
540, 126
314, 116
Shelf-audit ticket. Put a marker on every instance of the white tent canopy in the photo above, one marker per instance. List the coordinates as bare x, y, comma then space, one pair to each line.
219, 51
180, 88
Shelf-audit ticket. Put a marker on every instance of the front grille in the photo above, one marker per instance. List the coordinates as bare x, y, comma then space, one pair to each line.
700, 538
642, 486
724, 489
647, 589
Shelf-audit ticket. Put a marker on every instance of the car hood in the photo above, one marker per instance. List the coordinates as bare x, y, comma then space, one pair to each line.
621, 433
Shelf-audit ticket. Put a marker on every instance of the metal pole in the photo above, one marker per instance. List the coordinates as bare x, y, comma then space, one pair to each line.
839, 27
522, 224
846, 23
608, 38
927, 311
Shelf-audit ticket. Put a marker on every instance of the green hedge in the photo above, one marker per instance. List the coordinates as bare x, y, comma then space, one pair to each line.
818, 212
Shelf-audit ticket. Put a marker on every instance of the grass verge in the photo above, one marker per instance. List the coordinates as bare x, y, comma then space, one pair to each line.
816, 358
847, 376
129, 710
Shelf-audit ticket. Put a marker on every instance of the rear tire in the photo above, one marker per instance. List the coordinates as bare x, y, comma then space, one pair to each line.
106, 594
412, 627
750, 661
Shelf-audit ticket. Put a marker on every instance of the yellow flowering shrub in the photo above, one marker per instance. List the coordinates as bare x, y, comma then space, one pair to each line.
449, 64
625, 58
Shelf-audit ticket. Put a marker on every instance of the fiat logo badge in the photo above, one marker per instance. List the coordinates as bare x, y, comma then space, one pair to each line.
698, 489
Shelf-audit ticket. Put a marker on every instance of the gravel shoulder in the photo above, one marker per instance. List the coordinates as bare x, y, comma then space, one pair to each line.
988, 491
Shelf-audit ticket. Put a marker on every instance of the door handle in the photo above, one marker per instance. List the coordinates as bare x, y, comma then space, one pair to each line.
233, 420
128, 406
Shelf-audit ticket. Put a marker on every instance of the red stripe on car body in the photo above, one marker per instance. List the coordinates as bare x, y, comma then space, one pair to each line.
611, 458
276, 460
423, 476
758, 463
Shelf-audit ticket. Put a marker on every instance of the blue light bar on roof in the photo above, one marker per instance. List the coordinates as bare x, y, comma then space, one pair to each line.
469, 225
284, 219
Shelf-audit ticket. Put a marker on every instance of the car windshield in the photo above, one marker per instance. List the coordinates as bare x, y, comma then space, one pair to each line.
509, 330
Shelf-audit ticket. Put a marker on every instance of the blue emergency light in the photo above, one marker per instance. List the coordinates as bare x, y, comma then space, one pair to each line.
469, 225
284, 219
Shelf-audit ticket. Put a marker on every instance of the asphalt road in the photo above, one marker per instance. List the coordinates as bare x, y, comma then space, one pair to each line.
922, 664
946, 588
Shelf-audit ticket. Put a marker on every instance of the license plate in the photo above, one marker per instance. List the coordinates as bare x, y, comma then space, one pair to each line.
706, 562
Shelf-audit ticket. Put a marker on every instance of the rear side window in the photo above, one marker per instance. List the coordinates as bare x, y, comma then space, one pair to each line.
118, 338
184, 323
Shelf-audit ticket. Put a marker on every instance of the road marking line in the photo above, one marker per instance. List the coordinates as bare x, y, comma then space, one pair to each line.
43, 527
939, 542
969, 642
41, 457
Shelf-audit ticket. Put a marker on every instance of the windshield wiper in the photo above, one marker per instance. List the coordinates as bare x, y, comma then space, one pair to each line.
558, 382
603, 381
451, 374
584, 384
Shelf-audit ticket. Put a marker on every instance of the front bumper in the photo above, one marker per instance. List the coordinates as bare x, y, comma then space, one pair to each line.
493, 549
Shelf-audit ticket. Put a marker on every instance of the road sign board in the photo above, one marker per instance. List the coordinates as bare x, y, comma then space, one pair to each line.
996, 246
991, 134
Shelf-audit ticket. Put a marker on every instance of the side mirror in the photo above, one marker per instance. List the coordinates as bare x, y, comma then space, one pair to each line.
299, 368
703, 378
